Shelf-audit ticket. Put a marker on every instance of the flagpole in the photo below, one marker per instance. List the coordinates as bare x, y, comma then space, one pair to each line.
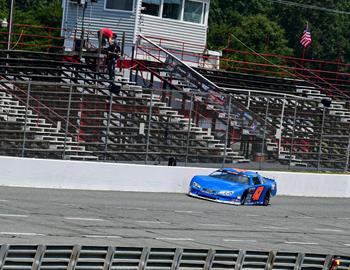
303, 55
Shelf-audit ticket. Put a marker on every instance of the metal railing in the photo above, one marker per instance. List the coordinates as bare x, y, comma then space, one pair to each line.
54, 120
76, 257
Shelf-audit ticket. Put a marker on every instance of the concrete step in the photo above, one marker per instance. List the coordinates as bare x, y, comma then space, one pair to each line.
168, 112
77, 157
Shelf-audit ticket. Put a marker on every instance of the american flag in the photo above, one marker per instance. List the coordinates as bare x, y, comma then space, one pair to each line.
306, 39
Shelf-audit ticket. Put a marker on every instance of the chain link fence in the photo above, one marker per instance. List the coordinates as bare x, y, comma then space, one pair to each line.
134, 124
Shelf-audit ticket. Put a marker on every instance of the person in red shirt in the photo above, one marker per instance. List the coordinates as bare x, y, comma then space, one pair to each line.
106, 35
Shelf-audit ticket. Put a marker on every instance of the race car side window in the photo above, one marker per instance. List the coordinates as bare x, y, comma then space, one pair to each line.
256, 181
217, 173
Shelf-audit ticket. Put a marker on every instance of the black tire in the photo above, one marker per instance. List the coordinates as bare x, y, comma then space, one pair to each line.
267, 198
244, 197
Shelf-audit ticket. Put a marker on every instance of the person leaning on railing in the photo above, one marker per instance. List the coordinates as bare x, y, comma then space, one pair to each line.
105, 35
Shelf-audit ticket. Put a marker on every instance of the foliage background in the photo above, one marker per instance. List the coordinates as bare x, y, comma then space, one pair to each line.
269, 26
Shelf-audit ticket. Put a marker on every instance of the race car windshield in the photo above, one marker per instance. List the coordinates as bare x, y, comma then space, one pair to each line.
237, 178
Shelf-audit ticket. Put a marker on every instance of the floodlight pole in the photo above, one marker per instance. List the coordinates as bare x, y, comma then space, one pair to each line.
10, 25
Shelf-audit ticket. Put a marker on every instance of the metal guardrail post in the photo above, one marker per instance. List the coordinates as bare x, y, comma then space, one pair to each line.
321, 138
143, 258
284, 101
25, 120
149, 126
327, 262
38, 257
189, 130
248, 101
240, 259
209, 260
67, 122
108, 124
264, 133
3, 252
109, 258
227, 130
299, 261
131, 63
293, 133
177, 258
74, 257
347, 155
270, 260
121, 66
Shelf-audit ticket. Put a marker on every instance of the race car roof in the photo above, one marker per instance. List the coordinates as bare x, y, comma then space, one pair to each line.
244, 172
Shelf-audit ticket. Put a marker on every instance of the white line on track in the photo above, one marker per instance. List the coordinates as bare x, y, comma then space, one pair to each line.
300, 243
101, 236
22, 233
83, 219
347, 245
252, 215
328, 230
174, 239
151, 222
180, 211
3, 200
274, 228
344, 218
131, 208
13, 215
215, 225
239, 240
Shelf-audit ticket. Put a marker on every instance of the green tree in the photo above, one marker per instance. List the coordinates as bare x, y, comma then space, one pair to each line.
3, 8
259, 34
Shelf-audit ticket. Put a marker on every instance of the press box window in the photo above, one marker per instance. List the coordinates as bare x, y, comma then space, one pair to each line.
151, 7
172, 9
193, 11
120, 4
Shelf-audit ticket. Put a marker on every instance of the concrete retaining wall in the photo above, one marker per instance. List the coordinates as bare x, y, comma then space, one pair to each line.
41, 173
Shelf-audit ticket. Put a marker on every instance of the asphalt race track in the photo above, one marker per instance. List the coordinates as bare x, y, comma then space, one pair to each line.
42, 216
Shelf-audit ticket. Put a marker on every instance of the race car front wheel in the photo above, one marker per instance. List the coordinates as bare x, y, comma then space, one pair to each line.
267, 199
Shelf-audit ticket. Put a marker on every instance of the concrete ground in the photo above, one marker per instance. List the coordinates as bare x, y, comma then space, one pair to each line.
43, 216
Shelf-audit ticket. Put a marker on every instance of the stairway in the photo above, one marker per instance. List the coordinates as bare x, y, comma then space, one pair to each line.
41, 138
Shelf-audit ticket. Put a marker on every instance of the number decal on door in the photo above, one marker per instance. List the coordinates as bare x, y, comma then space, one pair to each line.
257, 193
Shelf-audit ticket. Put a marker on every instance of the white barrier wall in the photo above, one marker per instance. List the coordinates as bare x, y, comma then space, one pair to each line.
39, 173
311, 184
43, 173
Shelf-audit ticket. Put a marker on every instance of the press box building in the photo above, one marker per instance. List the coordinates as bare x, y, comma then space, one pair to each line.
180, 24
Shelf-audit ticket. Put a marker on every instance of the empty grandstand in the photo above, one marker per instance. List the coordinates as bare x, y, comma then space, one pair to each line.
55, 105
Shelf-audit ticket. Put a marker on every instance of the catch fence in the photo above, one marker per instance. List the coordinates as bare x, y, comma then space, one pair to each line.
135, 124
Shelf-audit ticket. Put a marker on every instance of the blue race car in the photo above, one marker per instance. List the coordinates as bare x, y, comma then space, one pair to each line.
233, 186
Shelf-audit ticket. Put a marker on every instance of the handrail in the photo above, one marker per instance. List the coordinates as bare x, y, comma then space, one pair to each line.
287, 57
187, 66
299, 68
155, 73
210, 85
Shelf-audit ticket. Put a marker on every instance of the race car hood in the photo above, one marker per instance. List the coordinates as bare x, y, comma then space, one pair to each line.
216, 183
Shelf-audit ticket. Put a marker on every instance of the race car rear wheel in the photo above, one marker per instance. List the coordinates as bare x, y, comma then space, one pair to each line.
267, 198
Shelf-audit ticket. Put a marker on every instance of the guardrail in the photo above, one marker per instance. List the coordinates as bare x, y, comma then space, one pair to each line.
147, 258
